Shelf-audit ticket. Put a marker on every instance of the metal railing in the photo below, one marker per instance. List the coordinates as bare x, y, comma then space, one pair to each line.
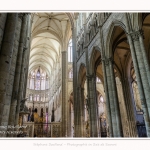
51, 130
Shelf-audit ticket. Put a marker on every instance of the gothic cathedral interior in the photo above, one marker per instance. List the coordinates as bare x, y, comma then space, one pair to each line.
75, 74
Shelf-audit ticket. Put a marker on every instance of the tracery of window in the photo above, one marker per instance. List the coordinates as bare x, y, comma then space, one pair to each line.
135, 90
71, 74
70, 51
38, 80
37, 84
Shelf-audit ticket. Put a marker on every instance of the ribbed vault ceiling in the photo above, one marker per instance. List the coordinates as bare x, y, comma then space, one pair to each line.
50, 35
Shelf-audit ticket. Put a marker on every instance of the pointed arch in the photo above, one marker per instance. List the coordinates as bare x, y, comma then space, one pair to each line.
108, 43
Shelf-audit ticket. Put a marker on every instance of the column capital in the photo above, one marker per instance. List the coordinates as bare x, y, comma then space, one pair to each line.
136, 34
108, 61
90, 76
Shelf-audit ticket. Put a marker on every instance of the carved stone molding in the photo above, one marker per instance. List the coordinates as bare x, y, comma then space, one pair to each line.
108, 61
88, 76
135, 35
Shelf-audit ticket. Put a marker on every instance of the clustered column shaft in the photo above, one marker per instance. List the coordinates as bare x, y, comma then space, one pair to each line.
92, 105
141, 75
65, 103
74, 81
13, 64
80, 112
107, 100
6, 54
13, 60
3, 17
24, 66
113, 99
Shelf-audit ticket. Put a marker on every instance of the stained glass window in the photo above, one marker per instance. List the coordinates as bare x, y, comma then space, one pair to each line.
37, 86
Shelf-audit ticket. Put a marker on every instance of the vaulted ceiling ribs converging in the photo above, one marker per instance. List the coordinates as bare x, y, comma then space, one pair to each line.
50, 34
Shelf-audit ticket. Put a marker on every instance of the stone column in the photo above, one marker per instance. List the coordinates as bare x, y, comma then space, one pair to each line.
108, 103
112, 107
129, 105
13, 62
22, 82
141, 65
6, 54
17, 72
115, 99
3, 17
64, 94
145, 56
27, 45
107, 99
98, 114
92, 105
69, 118
140, 85
52, 83
56, 86
54, 68
74, 79
80, 112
